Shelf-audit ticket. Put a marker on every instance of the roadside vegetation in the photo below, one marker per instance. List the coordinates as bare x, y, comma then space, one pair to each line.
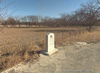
23, 38
22, 45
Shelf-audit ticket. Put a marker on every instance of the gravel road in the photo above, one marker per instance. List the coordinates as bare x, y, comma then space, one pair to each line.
74, 58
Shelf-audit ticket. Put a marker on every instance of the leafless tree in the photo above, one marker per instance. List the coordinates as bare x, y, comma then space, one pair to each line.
4, 14
11, 21
90, 13
18, 20
25, 20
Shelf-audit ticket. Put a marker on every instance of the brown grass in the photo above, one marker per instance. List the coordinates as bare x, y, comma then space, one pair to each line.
24, 44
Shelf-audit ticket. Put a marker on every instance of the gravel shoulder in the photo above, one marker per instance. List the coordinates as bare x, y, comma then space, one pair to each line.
69, 59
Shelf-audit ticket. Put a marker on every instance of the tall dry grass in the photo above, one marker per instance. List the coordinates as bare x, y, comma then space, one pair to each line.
24, 44
14, 55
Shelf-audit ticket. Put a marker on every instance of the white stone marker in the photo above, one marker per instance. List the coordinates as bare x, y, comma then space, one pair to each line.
50, 49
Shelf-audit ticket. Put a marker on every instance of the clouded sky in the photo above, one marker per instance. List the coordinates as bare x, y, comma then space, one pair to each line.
50, 8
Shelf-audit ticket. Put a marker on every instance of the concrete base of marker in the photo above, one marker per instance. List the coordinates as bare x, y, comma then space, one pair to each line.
51, 52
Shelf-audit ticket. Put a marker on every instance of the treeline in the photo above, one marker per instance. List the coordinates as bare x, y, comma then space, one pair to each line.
87, 15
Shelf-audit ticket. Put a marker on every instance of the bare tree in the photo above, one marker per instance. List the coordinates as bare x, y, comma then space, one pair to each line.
90, 13
25, 20
18, 20
33, 20
11, 21
4, 15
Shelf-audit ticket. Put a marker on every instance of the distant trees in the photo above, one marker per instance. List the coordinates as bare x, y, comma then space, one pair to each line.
11, 21
86, 16
33, 20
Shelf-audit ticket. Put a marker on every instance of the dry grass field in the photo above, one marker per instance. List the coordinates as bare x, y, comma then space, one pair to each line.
24, 44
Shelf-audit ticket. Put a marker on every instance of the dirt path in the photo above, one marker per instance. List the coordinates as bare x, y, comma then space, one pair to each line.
70, 59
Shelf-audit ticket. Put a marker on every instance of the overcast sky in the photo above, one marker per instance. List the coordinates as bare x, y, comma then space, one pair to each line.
50, 8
